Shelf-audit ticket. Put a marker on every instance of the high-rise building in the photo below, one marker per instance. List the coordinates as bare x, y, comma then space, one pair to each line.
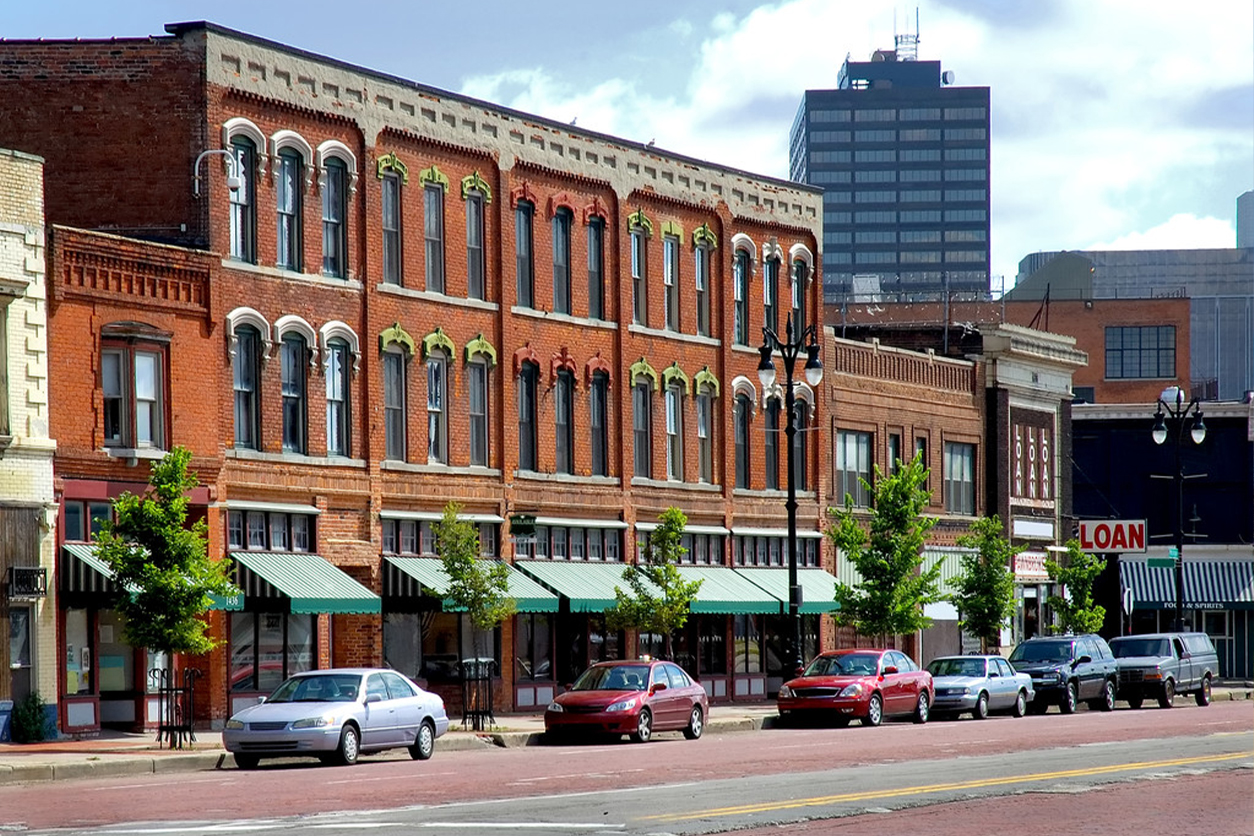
903, 158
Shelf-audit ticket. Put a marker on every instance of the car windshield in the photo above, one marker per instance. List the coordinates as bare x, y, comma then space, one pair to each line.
846, 664
1124, 648
956, 667
1042, 652
613, 678
331, 687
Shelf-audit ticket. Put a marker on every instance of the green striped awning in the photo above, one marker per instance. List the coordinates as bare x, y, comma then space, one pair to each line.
818, 588
724, 592
428, 573
308, 582
82, 570
589, 586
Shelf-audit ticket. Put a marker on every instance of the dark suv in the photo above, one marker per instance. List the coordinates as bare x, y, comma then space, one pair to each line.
1161, 665
1068, 669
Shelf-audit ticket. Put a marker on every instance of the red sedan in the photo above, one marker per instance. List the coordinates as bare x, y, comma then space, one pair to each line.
630, 697
866, 684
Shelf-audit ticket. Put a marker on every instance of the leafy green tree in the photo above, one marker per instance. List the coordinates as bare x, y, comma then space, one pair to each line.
478, 587
888, 554
160, 565
985, 586
660, 598
1076, 612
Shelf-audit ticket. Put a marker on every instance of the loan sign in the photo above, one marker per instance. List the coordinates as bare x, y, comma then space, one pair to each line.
1112, 535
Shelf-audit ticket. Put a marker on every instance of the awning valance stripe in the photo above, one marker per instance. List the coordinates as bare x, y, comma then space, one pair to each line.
308, 582
1227, 584
415, 576
82, 571
723, 592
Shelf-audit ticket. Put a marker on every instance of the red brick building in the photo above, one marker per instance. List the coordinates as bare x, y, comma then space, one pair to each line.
354, 299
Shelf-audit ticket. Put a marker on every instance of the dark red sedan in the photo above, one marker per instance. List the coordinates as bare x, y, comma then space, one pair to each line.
637, 697
867, 684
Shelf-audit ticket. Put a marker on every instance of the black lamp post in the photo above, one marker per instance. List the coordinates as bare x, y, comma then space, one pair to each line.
1169, 421
790, 349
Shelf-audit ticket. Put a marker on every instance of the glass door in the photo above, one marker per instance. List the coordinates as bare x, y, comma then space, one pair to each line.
20, 655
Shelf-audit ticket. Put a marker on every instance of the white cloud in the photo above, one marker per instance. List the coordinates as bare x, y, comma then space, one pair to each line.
1179, 232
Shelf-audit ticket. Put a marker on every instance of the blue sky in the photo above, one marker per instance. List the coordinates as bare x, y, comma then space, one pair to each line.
1115, 124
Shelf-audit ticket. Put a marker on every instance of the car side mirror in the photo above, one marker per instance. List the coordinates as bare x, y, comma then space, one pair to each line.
373, 698
1083, 660
994, 674
570, 686
657, 686
798, 671
890, 669
260, 700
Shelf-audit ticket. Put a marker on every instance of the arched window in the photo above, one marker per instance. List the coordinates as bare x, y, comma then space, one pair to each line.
334, 218
771, 444
247, 377
528, 384
742, 415
675, 431
705, 433
770, 294
437, 408
243, 216
390, 184
741, 267
598, 402
433, 234
295, 361
394, 398
289, 179
475, 284
596, 267
477, 377
800, 449
639, 276
562, 221
564, 418
524, 216
670, 280
338, 369
800, 280
642, 426
701, 268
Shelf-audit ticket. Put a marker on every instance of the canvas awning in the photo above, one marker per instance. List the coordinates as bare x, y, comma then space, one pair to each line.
588, 586
727, 593
428, 574
83, 571
818, 588
308, 582
1208, 584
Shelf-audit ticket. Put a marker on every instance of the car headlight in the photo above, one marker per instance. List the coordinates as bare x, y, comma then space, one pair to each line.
622, 705
556, 707
854, 690
234, 725
313, 723
785, 691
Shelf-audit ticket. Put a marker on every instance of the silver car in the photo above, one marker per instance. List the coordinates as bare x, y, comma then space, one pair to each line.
979, 684
336, 715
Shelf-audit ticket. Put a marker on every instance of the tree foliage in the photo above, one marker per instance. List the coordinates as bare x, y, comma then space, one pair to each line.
479, 587
660, 598
888, 555
985, 586
1076, 612
160, 565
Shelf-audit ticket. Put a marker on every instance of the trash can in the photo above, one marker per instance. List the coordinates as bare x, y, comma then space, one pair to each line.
477, 693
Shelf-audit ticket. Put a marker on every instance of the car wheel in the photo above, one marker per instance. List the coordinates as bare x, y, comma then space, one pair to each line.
246, 761
1167, 697
696, 724
424, 742
981, 707
350, 747
922, 707
1069, 699
1203, 694
1021, 704
874, 711
644, 727
1107, 702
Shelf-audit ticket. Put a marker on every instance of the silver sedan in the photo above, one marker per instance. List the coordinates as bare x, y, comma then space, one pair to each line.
336, 715
979, 684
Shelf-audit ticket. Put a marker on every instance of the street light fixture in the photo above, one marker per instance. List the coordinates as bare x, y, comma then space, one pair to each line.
1169, 421
790, 349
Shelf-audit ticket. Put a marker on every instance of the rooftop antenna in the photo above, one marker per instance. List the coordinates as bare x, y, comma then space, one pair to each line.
907, 44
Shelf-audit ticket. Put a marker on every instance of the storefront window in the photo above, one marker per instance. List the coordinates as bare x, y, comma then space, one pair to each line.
712, 632
748, 644
115, 660
243, 652
533, 646
78, 679
447, 639
266, 648
402, 645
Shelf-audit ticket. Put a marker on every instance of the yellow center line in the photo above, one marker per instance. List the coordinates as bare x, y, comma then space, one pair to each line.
934, 788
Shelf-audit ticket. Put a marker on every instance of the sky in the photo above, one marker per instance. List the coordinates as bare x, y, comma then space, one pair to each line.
1116, 124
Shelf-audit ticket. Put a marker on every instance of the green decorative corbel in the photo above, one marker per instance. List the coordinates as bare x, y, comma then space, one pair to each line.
639, 219
390, 162
473, 182
705, 377
480, 345
703, 236
433, 175
642, 367
398, 335
437, 339
672, 373
673, 228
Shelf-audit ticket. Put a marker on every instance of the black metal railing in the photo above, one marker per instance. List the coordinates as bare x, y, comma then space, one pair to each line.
176, 705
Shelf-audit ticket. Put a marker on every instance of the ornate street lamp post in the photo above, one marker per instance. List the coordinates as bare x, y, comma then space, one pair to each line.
789, 349
1169, 421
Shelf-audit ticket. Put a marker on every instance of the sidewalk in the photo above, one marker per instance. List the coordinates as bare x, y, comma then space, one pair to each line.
119, 754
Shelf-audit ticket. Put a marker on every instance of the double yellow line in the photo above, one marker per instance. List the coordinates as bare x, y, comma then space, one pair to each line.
819, 801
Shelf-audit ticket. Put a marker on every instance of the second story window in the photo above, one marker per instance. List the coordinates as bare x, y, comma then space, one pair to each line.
598, 400
853, 466
433, 235
247, 375
295, 361
705, 435
639, 277
334, 219
269, 531
133, 383
437, 419
287, 199
338, 364
675, 432
702, 270
561, 261
528, 377
960, 478
740, 295
596, 268
523, 238
475, 285
564, 416
742, 413
670, 278
391, 186
477, 383
394, 405
642, 428
243, 202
